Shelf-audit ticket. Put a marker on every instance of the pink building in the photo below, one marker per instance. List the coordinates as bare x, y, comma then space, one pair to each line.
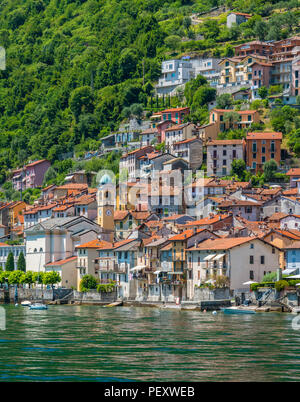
260, 76
31, 175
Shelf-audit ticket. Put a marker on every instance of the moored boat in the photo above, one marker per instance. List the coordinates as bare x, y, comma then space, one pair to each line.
26, 303
237, 310
38, 306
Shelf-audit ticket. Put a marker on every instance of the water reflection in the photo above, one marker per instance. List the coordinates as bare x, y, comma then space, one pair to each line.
84, 343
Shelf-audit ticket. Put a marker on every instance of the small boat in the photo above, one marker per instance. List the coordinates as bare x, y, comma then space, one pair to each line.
237, 310
38, 306
115, 304
26, 303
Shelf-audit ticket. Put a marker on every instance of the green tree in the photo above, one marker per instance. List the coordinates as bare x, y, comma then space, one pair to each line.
203, 96
10, 263
270, 168
21, 264
172, 41
192, 86
232, 117
224, 101
261, 30
27, 278
82, 101
51, 278
263, 92
87, 282
238, 168
14, 277
37, 277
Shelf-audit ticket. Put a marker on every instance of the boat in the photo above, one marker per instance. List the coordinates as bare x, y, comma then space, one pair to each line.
26, 303
38, 306
237, 310
115, 304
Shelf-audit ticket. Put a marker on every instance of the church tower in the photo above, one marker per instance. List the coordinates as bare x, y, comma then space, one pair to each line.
106, 197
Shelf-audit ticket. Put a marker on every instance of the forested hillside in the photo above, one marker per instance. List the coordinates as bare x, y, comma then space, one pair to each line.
72, 66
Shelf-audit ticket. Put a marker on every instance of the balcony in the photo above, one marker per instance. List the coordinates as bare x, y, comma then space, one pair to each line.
110, 265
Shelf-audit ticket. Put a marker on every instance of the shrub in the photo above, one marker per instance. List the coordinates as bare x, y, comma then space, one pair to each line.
280, 285
88, 282
106, 287
271, 277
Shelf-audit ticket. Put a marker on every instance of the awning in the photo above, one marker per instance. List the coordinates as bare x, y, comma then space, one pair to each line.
218, 256
138, 268
175, 273
289, 271
210, 281
209, 257
249, 283
157, 272
294, 277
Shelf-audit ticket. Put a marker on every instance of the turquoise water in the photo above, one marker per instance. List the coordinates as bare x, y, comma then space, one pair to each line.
92, 343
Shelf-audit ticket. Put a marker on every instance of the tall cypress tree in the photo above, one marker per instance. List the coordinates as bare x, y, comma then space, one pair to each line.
10, 263
21, 264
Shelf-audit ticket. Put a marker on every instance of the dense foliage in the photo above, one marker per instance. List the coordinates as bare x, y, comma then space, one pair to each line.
74, 68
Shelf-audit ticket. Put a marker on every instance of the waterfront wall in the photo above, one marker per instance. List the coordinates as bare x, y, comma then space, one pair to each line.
48, 295
207, 294
94, 297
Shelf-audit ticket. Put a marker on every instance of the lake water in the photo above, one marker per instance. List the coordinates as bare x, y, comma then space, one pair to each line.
92, 343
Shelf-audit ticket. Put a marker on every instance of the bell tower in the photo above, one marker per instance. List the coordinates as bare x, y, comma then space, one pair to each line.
106, 197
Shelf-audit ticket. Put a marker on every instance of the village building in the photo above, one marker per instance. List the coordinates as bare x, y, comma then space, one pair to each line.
221, 153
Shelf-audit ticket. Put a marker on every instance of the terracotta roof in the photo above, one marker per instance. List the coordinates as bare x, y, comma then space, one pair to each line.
222, 243
264, 136
140, 215
291, 191
61, 262
175, 109
185, 235
177, 127
36, 163
173, 217
288, 234
232, 110
97, 244
244, 14
242, 203
186, 141
225, 142
72, 186
207, 221
120, 215
293, 172
277, 216
5, 245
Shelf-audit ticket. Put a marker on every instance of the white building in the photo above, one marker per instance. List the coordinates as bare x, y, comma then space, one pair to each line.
173, 74
240, 259
221, 153
51, 243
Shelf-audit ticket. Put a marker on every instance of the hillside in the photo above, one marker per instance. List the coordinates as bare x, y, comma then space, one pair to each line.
73, 66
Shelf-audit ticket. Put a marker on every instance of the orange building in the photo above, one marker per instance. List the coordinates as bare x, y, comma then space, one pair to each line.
262, 147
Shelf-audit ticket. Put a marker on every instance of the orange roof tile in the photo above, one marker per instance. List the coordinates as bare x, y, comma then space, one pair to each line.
223, 243
264, 136
97, 244
61, 262
293, 172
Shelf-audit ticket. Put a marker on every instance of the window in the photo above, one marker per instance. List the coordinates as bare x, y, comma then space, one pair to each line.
262, 259
263, 150
224, 152
249, 117
251, 259
251, 245
251, 275
263, 159
273, 250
